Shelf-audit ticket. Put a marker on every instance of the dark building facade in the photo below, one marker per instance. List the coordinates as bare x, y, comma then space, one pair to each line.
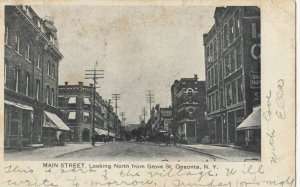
232, 64
76, 103
31, 66
188, 104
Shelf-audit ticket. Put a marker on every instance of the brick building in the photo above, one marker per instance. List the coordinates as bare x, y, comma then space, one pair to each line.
188, 104
31, 66
76, 103
232, 64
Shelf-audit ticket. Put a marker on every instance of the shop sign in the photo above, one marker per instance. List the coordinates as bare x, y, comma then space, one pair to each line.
254, 80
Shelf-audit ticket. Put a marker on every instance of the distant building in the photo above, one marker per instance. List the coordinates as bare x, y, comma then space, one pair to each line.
31, 64
165, 119
232, 64
76, 103
188, 104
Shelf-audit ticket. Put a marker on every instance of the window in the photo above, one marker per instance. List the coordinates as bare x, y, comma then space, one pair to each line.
226, 37
27, 85
231, 30
215, 48
212, 76
38, 23
48, 99
6, 39
190, 114
228, 94
72, 115
86, 116
208, 78
234, 92
216, 74
53, 71
38, 89
254, 31
232, 61
17, 80
48, 68
238, 57
17, 42
52, 97
237, 23
38, 61
27, 54
5, 72
227, 65
221, 98
217, 100
240, 89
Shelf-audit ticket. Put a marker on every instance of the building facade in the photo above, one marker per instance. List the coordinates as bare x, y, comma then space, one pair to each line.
232, 65
31, 66
188, 104
76, 103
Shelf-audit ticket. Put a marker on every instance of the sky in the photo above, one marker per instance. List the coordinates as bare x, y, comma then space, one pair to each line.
139, 48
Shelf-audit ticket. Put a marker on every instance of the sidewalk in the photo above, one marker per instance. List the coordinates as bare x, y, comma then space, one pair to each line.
226, 153
47, 153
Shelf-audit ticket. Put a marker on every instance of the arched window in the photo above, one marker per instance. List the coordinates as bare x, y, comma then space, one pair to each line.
226, 37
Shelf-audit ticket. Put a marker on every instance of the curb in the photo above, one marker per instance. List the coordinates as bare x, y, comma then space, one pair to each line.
200, 151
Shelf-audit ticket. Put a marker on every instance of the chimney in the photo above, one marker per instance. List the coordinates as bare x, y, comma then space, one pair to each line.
66, 83
91, 85
195, 76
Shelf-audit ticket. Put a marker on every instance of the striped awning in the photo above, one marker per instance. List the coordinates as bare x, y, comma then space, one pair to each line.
252, 121
55, 121
18, 105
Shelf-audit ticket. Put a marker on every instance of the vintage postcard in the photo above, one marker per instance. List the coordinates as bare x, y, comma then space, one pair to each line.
148, 93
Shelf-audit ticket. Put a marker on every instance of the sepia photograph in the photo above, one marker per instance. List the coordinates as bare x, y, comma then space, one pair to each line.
137, 83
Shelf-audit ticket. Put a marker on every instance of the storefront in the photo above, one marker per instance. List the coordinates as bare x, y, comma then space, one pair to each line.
54, 129
249, 131
17, 125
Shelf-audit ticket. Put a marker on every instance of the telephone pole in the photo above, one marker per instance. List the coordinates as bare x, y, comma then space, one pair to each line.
116, 97
150, 99
144, 113
108, 118
94, 74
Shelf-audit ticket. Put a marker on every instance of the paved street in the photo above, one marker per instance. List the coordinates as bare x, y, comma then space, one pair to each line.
118, 151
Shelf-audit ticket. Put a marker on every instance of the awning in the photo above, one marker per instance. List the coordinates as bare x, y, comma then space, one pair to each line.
72, 100
55, 120
104, 132
252, 121
86, 101
86, 114
72, 115
18, 105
